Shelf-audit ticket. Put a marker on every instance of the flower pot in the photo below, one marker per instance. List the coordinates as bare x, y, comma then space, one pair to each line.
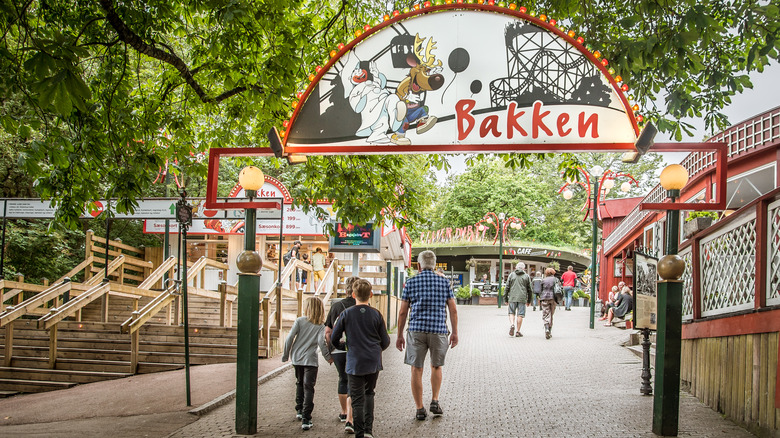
581, 302
695, 225
475, 299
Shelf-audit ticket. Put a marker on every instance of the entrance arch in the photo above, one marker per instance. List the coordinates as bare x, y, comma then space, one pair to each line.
463, 78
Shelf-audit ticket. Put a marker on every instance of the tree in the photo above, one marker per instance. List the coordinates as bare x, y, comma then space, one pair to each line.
531, 194
111, 91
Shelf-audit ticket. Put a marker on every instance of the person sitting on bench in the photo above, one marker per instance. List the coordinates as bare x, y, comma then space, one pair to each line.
623, 304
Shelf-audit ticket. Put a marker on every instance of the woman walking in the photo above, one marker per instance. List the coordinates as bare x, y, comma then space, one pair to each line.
547, 300
306, 334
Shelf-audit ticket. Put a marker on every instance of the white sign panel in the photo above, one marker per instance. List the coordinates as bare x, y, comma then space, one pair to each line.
296, 222
464, 77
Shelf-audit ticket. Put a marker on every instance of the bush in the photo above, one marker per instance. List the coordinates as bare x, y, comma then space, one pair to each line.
694, 214
463, 293
475, 292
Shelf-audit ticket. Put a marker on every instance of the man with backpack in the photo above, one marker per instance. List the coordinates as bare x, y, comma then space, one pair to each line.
518, 296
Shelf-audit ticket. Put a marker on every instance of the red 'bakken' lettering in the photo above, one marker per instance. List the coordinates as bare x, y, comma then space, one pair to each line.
586, 124
592, 122
511, 121
463, 111
538, 121
490, 124
563, 119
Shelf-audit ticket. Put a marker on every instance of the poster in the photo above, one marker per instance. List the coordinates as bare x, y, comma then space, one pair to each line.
645, 288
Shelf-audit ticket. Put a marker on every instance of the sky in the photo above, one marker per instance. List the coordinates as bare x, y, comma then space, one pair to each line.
764, 96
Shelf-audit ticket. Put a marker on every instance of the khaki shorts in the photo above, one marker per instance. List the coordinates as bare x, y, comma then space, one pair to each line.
419, 343
319, 275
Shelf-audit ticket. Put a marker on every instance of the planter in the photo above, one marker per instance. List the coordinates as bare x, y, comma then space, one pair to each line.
475, 299
695, 225
463, 300
581, 302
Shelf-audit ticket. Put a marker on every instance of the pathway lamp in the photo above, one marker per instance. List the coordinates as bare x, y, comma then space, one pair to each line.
249, 264
666, 401
605, 180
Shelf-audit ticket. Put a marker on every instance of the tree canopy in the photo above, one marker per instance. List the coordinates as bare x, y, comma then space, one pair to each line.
107, 93
531, 194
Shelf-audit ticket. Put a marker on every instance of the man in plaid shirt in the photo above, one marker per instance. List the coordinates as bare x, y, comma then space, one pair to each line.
429, 296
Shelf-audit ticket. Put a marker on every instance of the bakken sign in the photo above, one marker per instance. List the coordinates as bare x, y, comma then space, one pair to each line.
463, 77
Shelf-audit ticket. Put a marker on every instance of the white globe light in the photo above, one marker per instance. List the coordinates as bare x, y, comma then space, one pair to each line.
596, 171
567, 194
625, 187
251, 178
481, 227
608, 184
490, 220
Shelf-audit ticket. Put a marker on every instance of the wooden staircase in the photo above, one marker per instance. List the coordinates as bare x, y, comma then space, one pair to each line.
94, 351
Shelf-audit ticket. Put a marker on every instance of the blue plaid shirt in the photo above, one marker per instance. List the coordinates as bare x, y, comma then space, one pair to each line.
427, 294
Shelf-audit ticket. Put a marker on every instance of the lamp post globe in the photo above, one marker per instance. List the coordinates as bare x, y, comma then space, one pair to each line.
596, 171
625, 187
567, 194
251, 178
609, 183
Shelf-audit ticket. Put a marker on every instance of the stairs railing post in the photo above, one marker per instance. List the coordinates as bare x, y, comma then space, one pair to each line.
53, 346
300, 303
278, 319
9, 344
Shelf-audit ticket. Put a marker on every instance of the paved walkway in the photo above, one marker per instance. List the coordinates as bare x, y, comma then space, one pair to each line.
581, 383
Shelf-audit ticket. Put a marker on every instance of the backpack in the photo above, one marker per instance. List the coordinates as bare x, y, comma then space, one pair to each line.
287, 257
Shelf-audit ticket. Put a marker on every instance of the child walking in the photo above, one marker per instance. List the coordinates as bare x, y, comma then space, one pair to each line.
306, 334
367, 337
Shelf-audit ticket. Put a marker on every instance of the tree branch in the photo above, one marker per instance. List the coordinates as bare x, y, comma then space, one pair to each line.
169, 57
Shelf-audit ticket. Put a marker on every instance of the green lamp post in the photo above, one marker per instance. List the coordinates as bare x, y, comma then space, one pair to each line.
249, 264
666, 400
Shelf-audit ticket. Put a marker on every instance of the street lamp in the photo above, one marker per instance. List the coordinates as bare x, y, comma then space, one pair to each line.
500, 222
596, 172
666, 401
501, 217
607, 182
249, 264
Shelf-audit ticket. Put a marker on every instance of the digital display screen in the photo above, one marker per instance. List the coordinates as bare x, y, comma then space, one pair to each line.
355, 238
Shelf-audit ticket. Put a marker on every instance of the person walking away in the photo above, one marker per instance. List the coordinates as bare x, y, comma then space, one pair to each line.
306, 334
518, 297
293, 253
547, 301
536, 285
366, 339
569, 279
318, 267
426, 298
340, 356
304, 273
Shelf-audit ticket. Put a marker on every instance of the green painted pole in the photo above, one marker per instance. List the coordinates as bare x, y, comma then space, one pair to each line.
186, 316
500, 258
666, 400
389, 284
248, 328
595, 234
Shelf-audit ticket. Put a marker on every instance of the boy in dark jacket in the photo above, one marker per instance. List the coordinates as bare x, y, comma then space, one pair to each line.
367, 337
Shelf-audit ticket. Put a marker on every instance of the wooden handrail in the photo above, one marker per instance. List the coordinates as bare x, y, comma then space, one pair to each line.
14, 312
116, 244
158, 273
56, 315
80, 267
139, 317
112, 267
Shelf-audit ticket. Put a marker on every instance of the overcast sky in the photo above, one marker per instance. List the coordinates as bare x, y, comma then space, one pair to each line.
764, 96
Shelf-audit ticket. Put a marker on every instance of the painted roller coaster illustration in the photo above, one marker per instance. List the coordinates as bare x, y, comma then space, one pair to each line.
541, 66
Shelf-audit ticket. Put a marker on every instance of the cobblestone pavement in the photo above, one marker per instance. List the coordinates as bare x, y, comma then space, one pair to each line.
580, 383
